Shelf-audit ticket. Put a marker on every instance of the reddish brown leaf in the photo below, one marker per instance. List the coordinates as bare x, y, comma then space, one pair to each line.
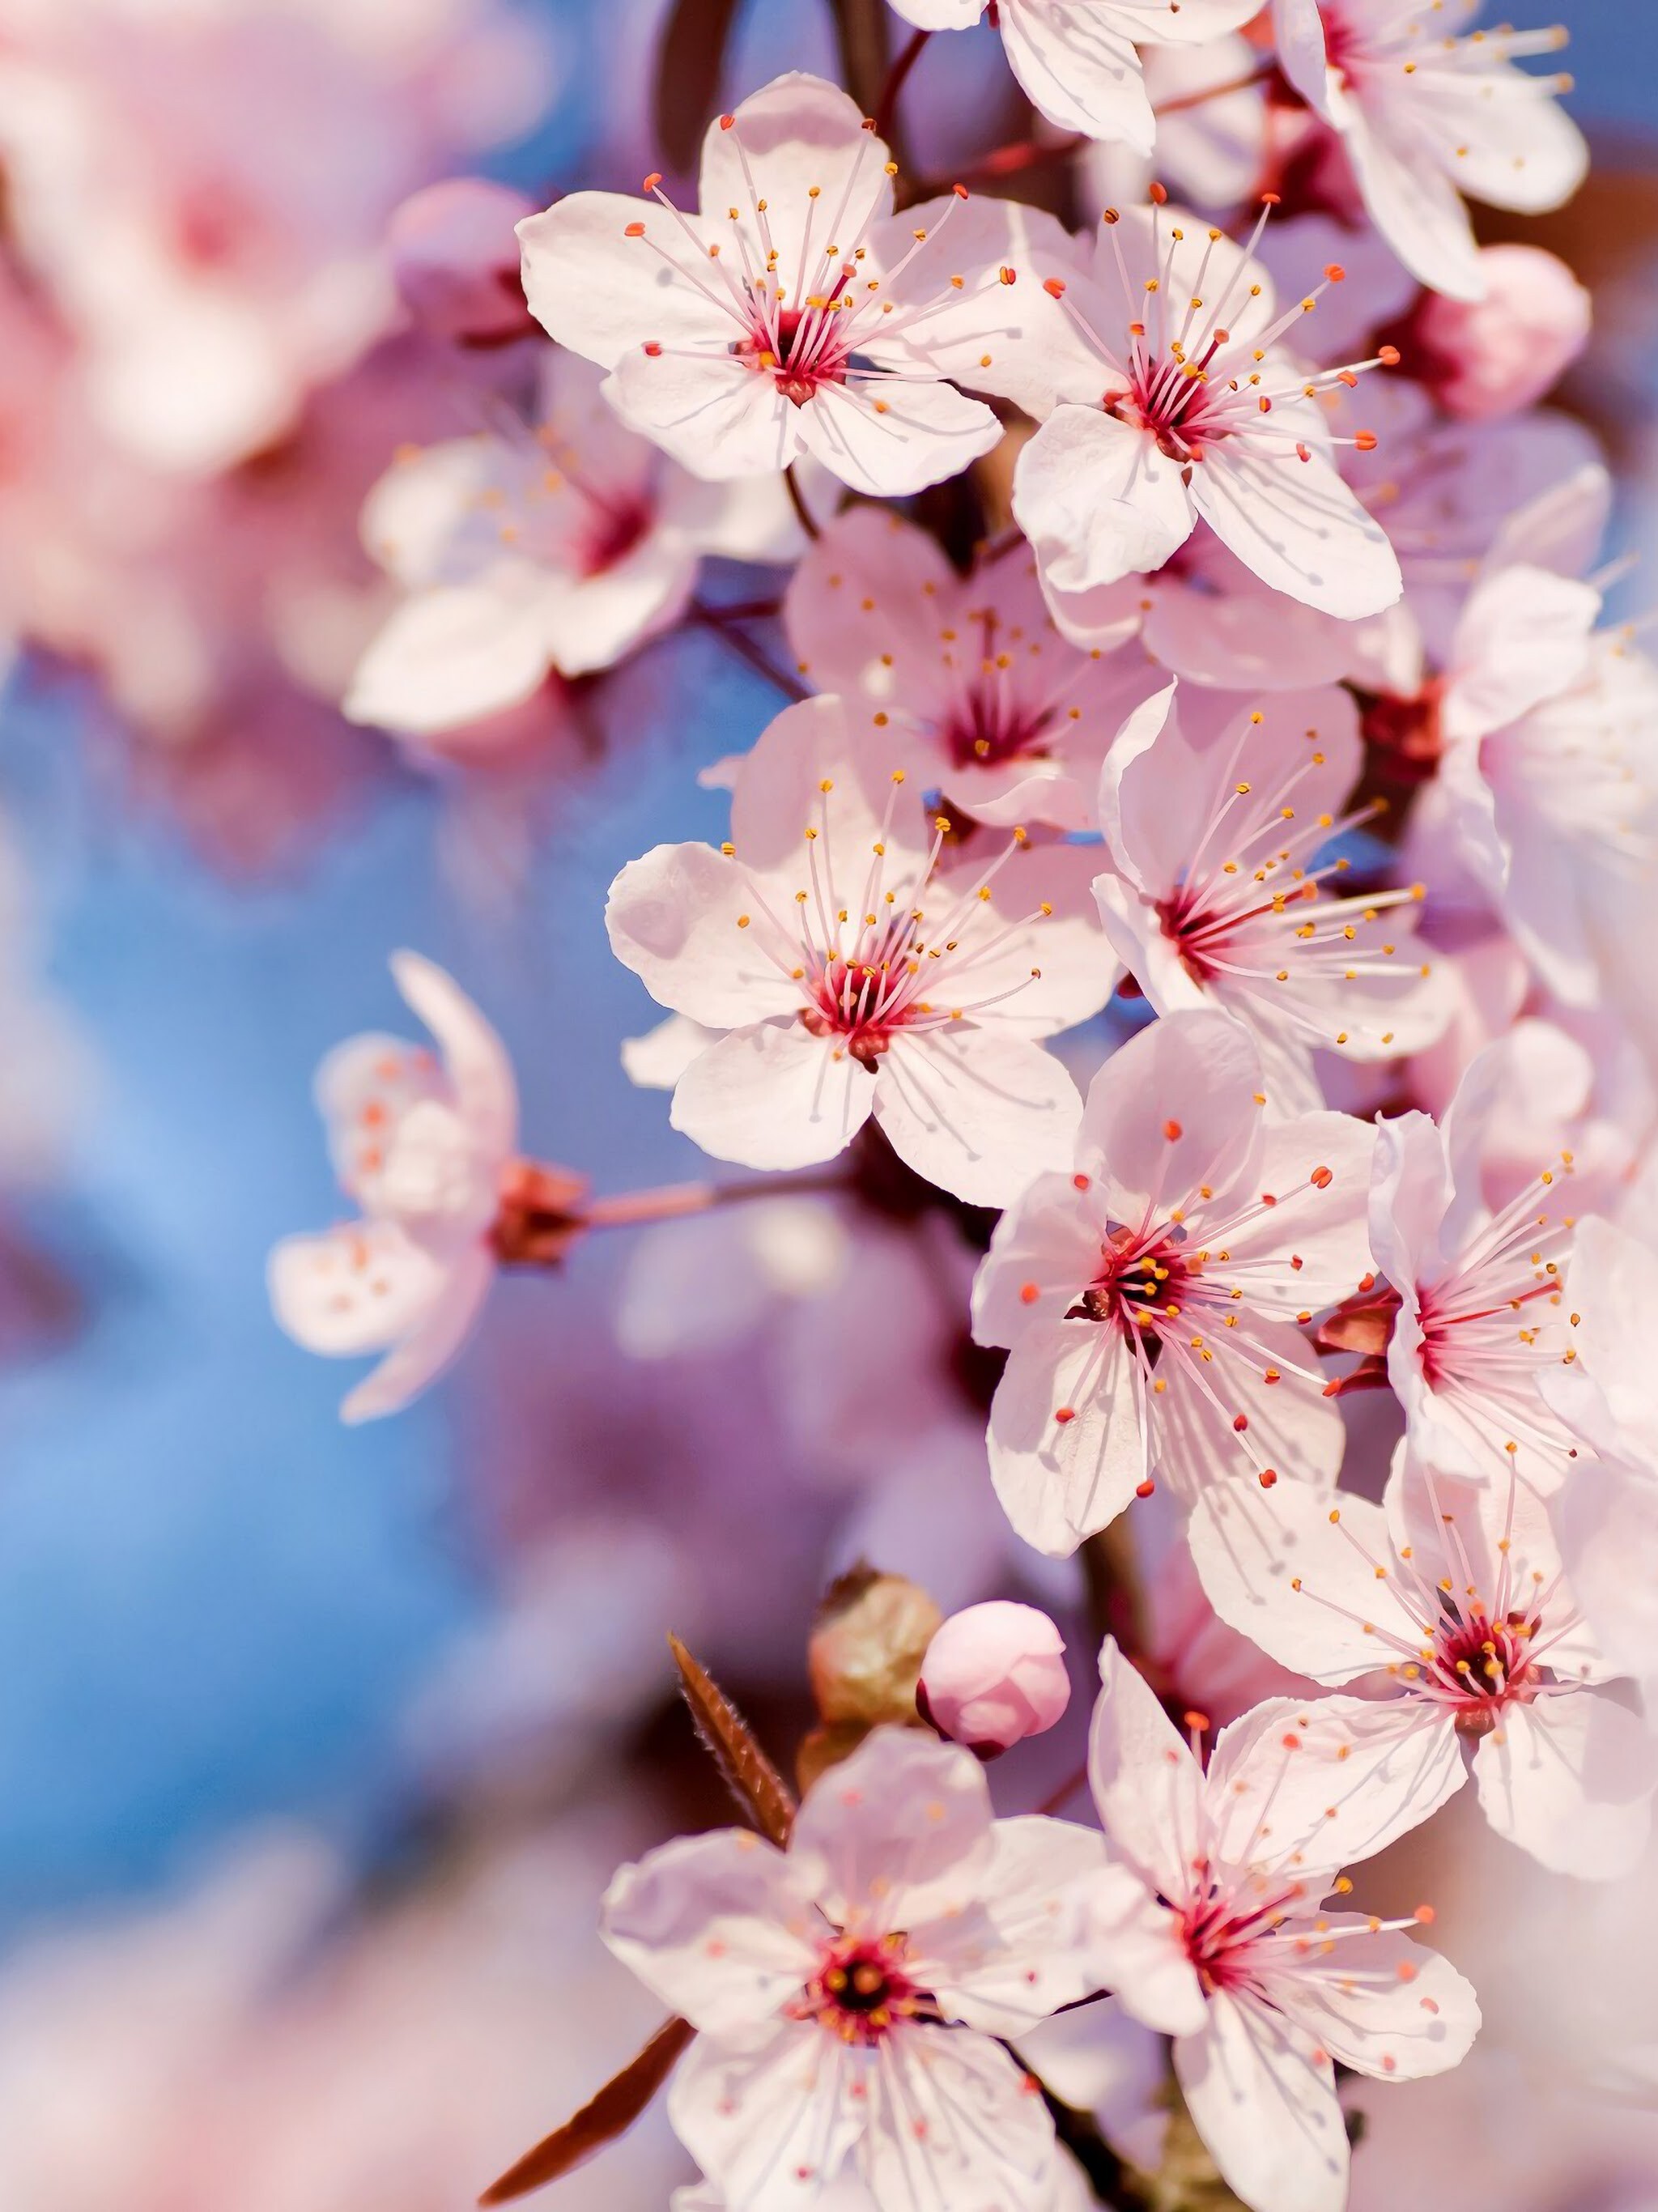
689, 62
610, 2114
749, 1776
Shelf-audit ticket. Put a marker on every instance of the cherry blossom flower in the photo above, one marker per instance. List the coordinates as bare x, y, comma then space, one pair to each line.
1081, 66
1195, 413
455, 260
848, 1992
202, 190
1219, 820
792, 315
524, 550
1482, 1317
1451, 1595
1012, 723
1234, 1952
420, 1146
993, 1676
1455, 496
1550, 771
1150, 1296
1426, 116
851, 971
1492, 356
1607, 1513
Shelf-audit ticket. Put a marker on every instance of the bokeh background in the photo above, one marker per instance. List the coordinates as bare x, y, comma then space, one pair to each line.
364, 1717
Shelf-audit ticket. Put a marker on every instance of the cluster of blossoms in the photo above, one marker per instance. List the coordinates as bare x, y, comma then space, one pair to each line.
1184, 891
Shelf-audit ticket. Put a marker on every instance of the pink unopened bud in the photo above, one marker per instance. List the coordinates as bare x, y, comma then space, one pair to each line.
1492, 356
992, 1674
456, 260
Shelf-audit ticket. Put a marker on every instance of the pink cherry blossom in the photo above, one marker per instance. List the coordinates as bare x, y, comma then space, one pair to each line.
853, 967
1549, 773
1426, 116
420, 1145
1081, 66
202, 190
1607, 1511
848, 1992
557, 545
1494, 355
1483, 1318
1451, 1595
1195, 412
1150, 1296
1232, 1950
993, 1676
1011, 723
1453, 496
1218, 818
455, 260
792, 315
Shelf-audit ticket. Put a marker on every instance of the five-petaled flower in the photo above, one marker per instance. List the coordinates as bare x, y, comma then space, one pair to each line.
850, 1992
793, 314
1155, 368
1222, 823
1081, 65
1232, 1950
560, 544
857, 964
1451, 1593
1150, 1292
1011, 722
421, 1145
1426, 116
1483, 1320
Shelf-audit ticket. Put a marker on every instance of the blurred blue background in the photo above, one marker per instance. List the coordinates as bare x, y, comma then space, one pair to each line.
214, 1599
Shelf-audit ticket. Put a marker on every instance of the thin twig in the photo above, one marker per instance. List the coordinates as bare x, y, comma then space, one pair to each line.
1186, 100
797, 500
888, 107
713, 619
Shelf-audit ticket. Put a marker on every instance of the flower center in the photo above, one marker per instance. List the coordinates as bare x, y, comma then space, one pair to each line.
802, 351
855, 999
618, 527
1484, 1665
1173, 401
1139, 1286
987, 727
862, 1990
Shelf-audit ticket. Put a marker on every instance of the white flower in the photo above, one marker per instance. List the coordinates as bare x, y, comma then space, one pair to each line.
853, 966
420, 1146
1550, 771
1153, 362
792, 314
849, 1992
560, 545
1483, 1320
1451, 1595
1220, 820
1231, 1950
1078, 59
1426, 116
1010, 723
1150, 1295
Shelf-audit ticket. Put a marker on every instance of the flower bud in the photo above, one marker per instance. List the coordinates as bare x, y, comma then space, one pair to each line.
992, 1674
456, 260
867, 1646
1492, 356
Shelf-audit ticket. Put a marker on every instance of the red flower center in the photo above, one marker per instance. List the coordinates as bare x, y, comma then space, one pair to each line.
862, 1990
